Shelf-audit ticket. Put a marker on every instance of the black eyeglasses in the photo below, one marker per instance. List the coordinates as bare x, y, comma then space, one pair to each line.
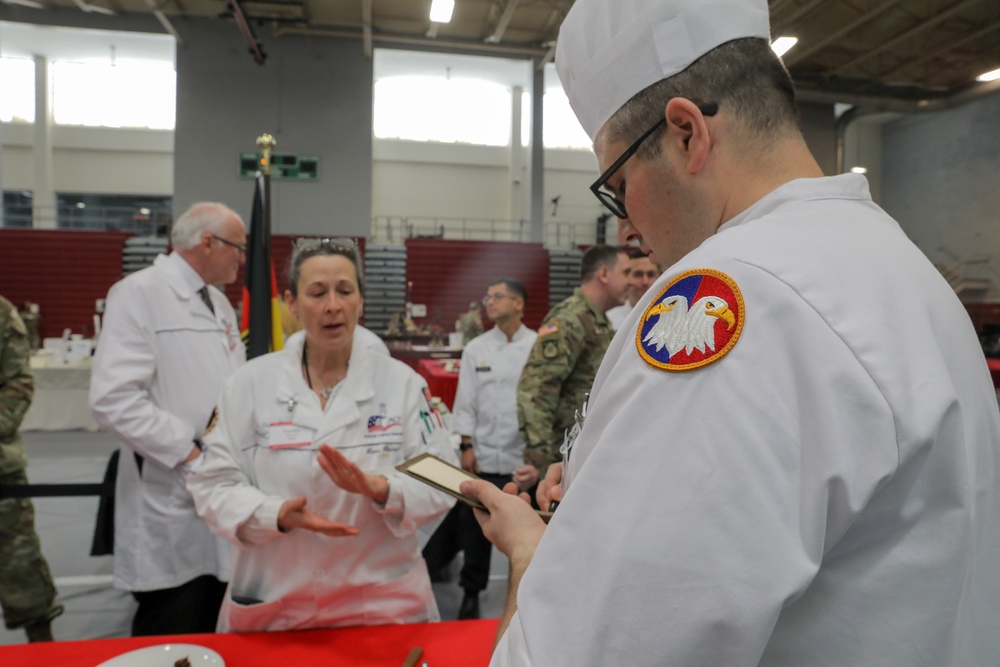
495, 297
610, 201
242, 248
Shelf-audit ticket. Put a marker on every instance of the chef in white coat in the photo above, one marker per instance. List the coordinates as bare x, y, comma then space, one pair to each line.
170, 338
790, 454
299, 472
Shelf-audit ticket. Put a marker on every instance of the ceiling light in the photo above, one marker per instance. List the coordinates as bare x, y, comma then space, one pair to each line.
989, 76
441, 10
782, 44
859, 170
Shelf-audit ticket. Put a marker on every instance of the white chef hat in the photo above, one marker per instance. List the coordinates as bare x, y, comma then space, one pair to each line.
609, 50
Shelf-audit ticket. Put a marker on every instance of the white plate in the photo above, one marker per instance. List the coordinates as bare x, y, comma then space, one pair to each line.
165, 655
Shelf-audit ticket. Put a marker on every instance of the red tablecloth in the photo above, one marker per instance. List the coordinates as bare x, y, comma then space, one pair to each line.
412, 357
454, 644
442, 383
994, 365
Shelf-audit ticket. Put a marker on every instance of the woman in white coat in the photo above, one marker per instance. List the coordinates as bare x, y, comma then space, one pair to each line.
299, 470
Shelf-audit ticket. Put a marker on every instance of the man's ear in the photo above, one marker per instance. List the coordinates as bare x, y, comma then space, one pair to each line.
602, 273
687, 133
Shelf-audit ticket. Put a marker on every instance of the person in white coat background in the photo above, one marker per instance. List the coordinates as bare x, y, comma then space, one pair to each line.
169, 340
299, 472
485, 418
790, 453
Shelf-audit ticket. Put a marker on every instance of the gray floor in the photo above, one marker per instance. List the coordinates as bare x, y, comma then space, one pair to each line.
95, 609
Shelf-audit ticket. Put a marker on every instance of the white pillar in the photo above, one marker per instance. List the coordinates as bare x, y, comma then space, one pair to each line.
43, 193
515, 163
536, 149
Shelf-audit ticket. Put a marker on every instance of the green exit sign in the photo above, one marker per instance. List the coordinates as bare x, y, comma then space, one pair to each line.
285, 166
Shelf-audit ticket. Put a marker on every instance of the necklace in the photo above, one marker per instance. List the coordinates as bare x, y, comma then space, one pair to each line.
325, 391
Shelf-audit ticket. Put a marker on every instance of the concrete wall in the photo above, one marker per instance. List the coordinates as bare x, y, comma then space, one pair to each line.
93, 159
941, 181
313, 95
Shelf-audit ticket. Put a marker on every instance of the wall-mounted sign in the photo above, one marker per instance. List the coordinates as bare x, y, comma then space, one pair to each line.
284, 166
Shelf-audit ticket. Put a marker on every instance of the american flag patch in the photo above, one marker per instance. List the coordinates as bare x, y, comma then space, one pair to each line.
549, 328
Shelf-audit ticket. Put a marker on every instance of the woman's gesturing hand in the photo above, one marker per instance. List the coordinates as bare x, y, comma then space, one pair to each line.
293, 514
348, 476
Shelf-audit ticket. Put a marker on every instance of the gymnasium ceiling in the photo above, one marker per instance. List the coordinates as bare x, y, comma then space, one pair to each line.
898, 49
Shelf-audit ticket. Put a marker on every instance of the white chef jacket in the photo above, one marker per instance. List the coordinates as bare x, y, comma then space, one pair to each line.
616, 316
825, 494
160, 363
486, 397
378, 417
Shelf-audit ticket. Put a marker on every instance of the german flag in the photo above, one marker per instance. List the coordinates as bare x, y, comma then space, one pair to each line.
260, 323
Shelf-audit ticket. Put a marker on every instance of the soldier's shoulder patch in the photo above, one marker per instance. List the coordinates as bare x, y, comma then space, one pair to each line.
549, 328
694, 321
550, 349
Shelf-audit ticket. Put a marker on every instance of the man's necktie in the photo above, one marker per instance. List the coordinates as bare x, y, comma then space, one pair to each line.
206, 298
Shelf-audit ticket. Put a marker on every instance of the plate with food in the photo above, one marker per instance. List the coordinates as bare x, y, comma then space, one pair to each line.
167, 655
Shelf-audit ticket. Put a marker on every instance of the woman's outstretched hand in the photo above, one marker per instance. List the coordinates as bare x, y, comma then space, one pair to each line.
293, 514
348, 476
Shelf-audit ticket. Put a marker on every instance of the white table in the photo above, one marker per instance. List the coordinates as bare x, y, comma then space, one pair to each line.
60, 402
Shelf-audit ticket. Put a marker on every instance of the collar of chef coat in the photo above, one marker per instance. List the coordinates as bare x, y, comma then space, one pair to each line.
844, 186
184, 281
500, 336
343, 409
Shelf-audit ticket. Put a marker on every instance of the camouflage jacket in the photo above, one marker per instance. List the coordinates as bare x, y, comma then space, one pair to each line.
558, 374
16, 386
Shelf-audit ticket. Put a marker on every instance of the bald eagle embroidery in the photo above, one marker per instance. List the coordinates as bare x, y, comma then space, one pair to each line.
681, 328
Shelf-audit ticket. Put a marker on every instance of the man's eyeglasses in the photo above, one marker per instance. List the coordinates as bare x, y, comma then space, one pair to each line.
239, 246
494, 297
610, 201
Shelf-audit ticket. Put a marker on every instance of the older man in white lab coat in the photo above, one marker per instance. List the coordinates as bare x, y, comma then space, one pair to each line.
169, 341
791, 452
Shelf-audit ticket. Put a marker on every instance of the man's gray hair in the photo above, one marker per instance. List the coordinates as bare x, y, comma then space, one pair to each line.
202, 217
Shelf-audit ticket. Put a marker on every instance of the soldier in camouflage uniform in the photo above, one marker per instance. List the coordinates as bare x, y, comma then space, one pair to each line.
27, 594
470, 323
569, 349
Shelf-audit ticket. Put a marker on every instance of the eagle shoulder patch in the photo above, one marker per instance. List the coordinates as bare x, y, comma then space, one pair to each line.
694, 321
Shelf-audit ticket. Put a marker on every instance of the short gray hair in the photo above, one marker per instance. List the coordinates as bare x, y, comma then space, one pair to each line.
206, 216
744, 77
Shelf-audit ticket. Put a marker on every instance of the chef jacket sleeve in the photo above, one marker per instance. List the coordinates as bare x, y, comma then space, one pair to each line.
224, 495
701, 504
464, 415
411, 502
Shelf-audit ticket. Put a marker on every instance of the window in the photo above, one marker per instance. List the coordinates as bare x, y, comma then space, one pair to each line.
130, 93
425, 108
17, 103
142, 214
560, 128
